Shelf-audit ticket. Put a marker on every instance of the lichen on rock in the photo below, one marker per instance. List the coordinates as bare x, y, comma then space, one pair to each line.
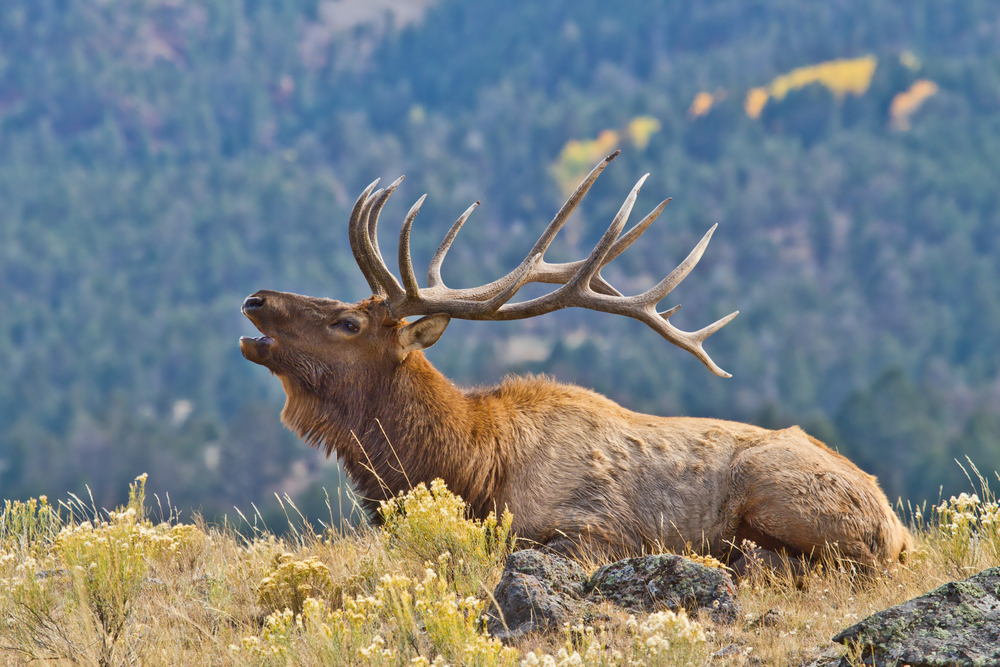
666, 581
540, 591
957, 624
537, 592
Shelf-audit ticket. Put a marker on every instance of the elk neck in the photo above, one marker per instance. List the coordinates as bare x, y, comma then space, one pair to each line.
398, 427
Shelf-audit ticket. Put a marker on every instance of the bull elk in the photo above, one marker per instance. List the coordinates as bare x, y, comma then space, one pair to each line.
579, 472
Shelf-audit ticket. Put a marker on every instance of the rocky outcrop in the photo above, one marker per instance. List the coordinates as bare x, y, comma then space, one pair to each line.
957, 624
537, 592
541, 591
666, 581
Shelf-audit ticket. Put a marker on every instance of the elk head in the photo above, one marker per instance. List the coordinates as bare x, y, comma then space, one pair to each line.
312, 342
308, 339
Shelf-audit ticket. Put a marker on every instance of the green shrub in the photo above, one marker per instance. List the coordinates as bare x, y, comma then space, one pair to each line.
291, 582
425, 524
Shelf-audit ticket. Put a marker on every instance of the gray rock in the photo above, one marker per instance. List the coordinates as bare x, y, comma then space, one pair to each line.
537, 592
540, 591
957, 624
674, 582
828, 656
769, 619
561, 574
728, 651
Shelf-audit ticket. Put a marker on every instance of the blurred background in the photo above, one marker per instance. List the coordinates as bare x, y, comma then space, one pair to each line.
162, 159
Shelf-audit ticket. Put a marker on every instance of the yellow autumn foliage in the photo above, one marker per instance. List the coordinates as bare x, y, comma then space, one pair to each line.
640, 129
701, 104
904, 104
578, 157
704, 101
839, 76
756, 99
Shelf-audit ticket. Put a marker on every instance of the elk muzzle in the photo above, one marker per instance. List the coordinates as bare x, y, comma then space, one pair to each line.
257, 350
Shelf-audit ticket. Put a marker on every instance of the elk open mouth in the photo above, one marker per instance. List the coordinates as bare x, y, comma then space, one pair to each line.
257, 350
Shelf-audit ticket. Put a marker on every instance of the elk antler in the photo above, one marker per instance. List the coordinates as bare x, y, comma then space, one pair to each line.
580, 282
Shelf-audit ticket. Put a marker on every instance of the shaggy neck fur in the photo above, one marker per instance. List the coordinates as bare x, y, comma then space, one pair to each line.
393, 430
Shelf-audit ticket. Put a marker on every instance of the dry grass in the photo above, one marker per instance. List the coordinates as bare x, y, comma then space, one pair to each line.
83, 586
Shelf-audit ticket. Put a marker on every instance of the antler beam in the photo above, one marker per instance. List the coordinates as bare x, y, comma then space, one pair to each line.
580, 283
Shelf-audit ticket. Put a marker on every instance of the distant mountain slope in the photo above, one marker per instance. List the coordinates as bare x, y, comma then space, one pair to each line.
161, 160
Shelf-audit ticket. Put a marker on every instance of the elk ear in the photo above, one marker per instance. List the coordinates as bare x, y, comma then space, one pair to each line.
422, 334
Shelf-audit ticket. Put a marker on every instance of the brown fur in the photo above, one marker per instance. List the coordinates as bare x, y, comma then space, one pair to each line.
578, 472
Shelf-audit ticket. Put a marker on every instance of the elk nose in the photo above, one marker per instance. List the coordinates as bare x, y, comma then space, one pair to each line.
252, 303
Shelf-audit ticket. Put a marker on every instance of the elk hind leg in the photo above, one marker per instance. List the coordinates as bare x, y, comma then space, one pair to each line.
795, 498
750, 548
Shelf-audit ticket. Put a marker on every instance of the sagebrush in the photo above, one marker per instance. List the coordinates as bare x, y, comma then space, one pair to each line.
85, 586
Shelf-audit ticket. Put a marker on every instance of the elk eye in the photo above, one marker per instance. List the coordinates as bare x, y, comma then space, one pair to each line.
350, 325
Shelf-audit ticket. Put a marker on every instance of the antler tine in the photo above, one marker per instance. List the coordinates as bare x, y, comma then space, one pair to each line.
598, 283
377, 210
369, 244
702, 334
667, 285
357, 215
434, 268
560, 273
689, 340
543, 242
364, 243
405, 262
595, 261
631, 235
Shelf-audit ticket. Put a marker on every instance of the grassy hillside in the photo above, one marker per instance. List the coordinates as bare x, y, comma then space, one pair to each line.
89, 587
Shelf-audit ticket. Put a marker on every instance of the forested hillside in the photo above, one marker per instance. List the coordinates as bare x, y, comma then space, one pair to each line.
162, 159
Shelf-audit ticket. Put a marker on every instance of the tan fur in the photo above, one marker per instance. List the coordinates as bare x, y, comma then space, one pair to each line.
578, 472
